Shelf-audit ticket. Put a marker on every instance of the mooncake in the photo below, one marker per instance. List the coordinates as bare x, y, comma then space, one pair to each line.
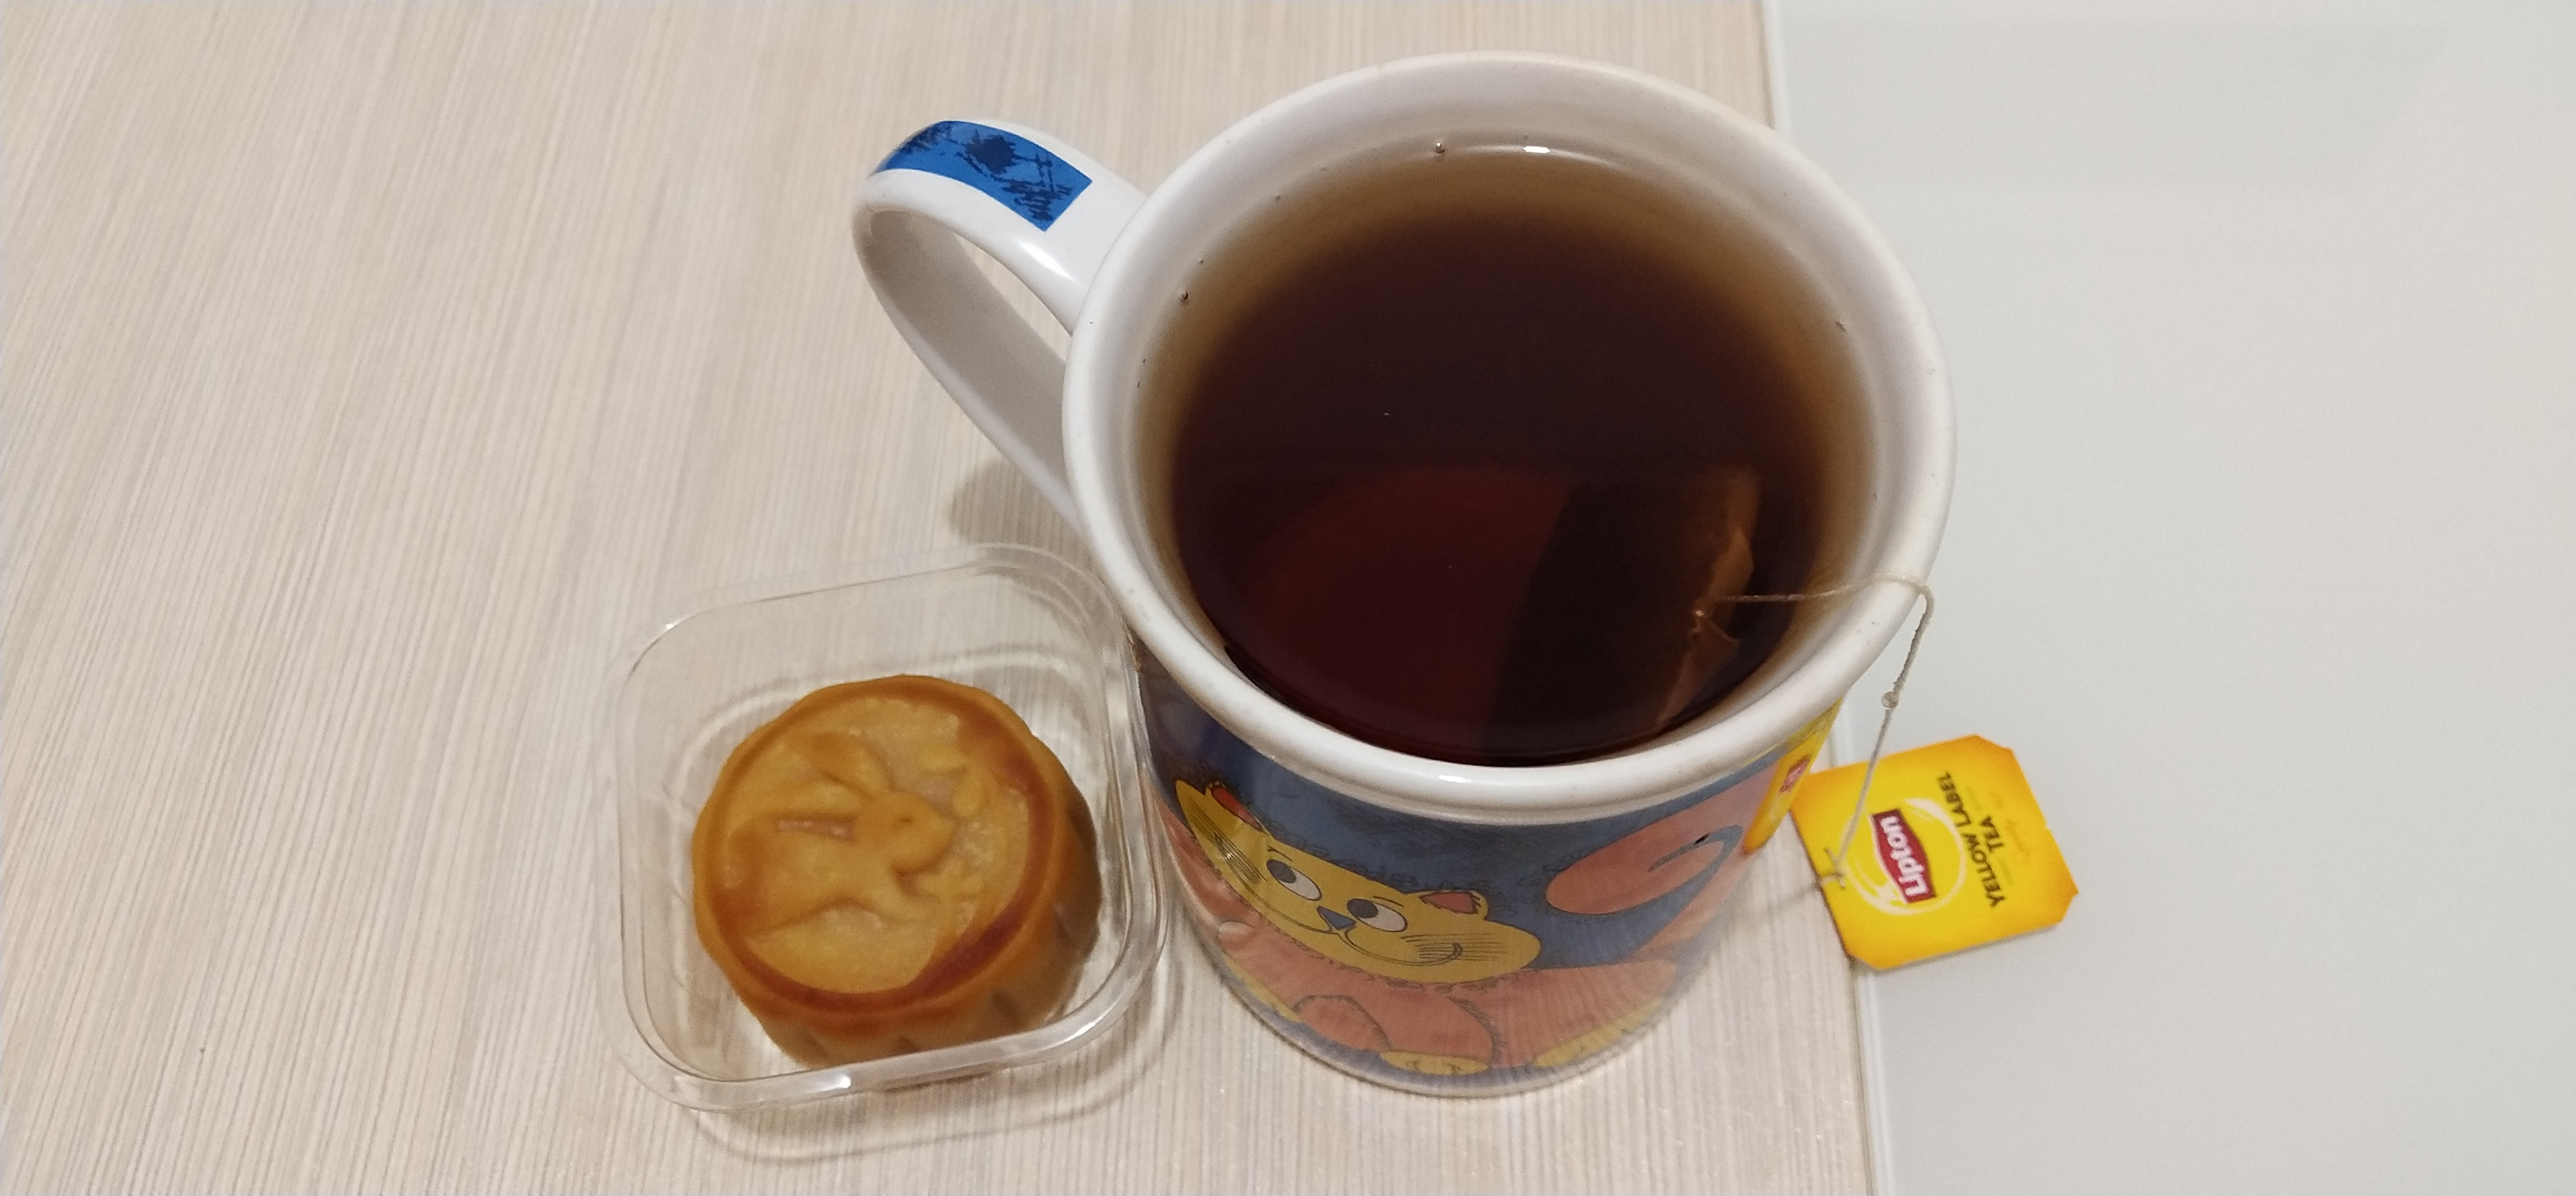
895, 865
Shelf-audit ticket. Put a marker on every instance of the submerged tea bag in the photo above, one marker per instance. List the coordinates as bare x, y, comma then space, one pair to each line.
1624, 627
1718, 529
1385, 605
1508, 616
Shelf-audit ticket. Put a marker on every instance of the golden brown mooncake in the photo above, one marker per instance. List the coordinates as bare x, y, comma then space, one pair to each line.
895, 865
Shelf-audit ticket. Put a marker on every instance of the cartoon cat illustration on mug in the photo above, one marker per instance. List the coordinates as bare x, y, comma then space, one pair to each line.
1427, 980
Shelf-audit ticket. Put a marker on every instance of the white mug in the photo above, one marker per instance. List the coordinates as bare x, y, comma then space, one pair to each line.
1604, 872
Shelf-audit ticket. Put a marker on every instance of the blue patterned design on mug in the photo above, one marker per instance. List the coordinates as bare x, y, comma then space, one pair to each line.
1019, 172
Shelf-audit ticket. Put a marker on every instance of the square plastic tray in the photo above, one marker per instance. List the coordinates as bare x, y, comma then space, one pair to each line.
1019, 623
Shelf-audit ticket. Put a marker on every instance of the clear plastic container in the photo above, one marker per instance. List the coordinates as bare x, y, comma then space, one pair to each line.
1019, 623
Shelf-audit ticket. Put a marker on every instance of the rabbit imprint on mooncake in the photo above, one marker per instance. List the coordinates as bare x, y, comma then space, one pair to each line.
895, 865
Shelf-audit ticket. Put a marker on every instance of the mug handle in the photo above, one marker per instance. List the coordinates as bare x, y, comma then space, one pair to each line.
1041, 208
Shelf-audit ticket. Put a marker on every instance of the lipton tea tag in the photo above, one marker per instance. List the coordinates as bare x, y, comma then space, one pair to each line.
1950, 852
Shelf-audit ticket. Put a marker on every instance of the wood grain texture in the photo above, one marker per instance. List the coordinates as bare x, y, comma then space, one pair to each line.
374, 372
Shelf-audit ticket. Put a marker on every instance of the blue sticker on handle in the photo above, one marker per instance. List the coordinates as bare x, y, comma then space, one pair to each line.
1019, 172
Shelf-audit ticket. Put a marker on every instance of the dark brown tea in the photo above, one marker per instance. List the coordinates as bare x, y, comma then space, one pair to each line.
1468, 456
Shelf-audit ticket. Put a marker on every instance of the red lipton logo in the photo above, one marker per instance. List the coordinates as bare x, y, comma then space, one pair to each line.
1902, 854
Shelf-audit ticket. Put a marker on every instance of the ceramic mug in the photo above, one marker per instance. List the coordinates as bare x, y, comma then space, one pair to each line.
1437, 926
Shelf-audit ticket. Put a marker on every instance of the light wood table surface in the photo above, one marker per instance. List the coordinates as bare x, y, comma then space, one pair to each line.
375, 371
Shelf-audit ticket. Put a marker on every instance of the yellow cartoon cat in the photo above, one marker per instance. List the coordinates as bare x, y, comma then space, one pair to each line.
1424, 979
1348, 918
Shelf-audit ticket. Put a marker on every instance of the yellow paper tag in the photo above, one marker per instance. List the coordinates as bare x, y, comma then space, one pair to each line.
1951, 853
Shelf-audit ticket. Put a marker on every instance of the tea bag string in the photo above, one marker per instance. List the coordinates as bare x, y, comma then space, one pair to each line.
1887, 701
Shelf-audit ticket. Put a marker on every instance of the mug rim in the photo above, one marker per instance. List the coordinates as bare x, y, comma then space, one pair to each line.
1675, 762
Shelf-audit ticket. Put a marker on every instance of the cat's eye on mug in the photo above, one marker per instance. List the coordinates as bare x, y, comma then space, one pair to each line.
1294, 881
1372, 914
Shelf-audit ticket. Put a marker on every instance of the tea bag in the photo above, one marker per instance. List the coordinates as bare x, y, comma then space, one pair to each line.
1385, 607
1624, 626
1718, 529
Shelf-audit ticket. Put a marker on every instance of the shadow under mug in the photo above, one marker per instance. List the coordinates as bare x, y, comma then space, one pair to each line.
1442, 927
